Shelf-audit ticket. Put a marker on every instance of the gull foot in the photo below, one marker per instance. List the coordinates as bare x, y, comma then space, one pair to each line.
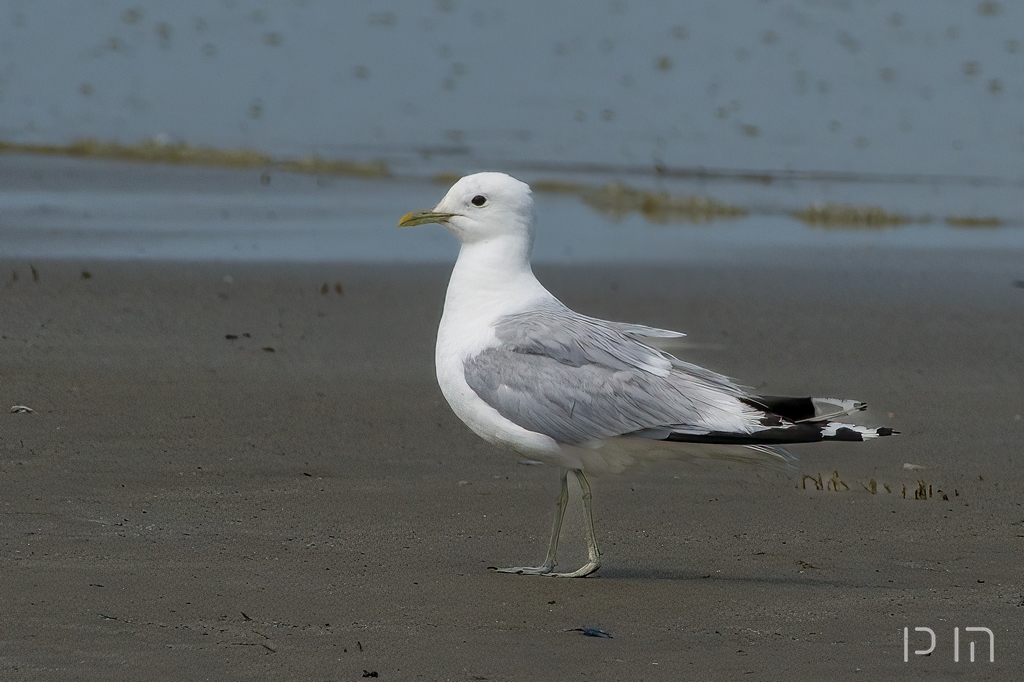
548, 571
526, 570
582, 572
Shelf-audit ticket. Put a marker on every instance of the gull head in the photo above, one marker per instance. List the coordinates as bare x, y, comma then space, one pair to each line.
482, 207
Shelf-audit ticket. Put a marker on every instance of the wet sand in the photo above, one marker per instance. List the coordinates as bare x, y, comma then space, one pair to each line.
183, 505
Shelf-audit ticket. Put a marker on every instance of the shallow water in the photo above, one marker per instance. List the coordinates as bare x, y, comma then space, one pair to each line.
53, 207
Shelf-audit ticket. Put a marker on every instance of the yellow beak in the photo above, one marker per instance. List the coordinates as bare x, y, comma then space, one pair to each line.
422, 218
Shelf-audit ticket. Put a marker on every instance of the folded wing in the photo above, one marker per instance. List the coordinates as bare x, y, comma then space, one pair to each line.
578, 379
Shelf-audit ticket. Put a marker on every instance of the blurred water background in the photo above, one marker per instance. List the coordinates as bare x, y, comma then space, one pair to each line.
651, 130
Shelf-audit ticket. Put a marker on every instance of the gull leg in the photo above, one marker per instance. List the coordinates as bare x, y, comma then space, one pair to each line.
593, 553
556, 529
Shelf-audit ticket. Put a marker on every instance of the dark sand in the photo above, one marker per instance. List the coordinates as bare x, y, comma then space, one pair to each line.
185, 506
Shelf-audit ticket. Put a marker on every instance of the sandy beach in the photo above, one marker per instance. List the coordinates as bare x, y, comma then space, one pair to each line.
230, 474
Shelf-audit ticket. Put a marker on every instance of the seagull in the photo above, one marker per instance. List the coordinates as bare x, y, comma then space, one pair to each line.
589, 396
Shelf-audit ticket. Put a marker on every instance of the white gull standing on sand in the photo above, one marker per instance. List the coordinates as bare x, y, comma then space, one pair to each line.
528, 374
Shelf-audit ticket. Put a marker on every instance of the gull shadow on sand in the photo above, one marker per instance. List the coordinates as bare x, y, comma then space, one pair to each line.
804, 579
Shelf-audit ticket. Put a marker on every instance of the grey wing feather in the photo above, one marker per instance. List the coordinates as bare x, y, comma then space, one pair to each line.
576, 379
642, 331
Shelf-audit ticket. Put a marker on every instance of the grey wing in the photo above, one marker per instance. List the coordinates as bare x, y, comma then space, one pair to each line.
576, 379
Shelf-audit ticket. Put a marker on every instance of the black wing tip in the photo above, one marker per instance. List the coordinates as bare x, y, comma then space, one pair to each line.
793, 409
782, 435
848, 433
801, 409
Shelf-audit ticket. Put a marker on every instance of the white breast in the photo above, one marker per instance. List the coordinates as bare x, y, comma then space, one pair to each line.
473, 303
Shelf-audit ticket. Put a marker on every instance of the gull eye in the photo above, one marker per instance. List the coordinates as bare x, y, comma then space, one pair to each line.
479, 200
